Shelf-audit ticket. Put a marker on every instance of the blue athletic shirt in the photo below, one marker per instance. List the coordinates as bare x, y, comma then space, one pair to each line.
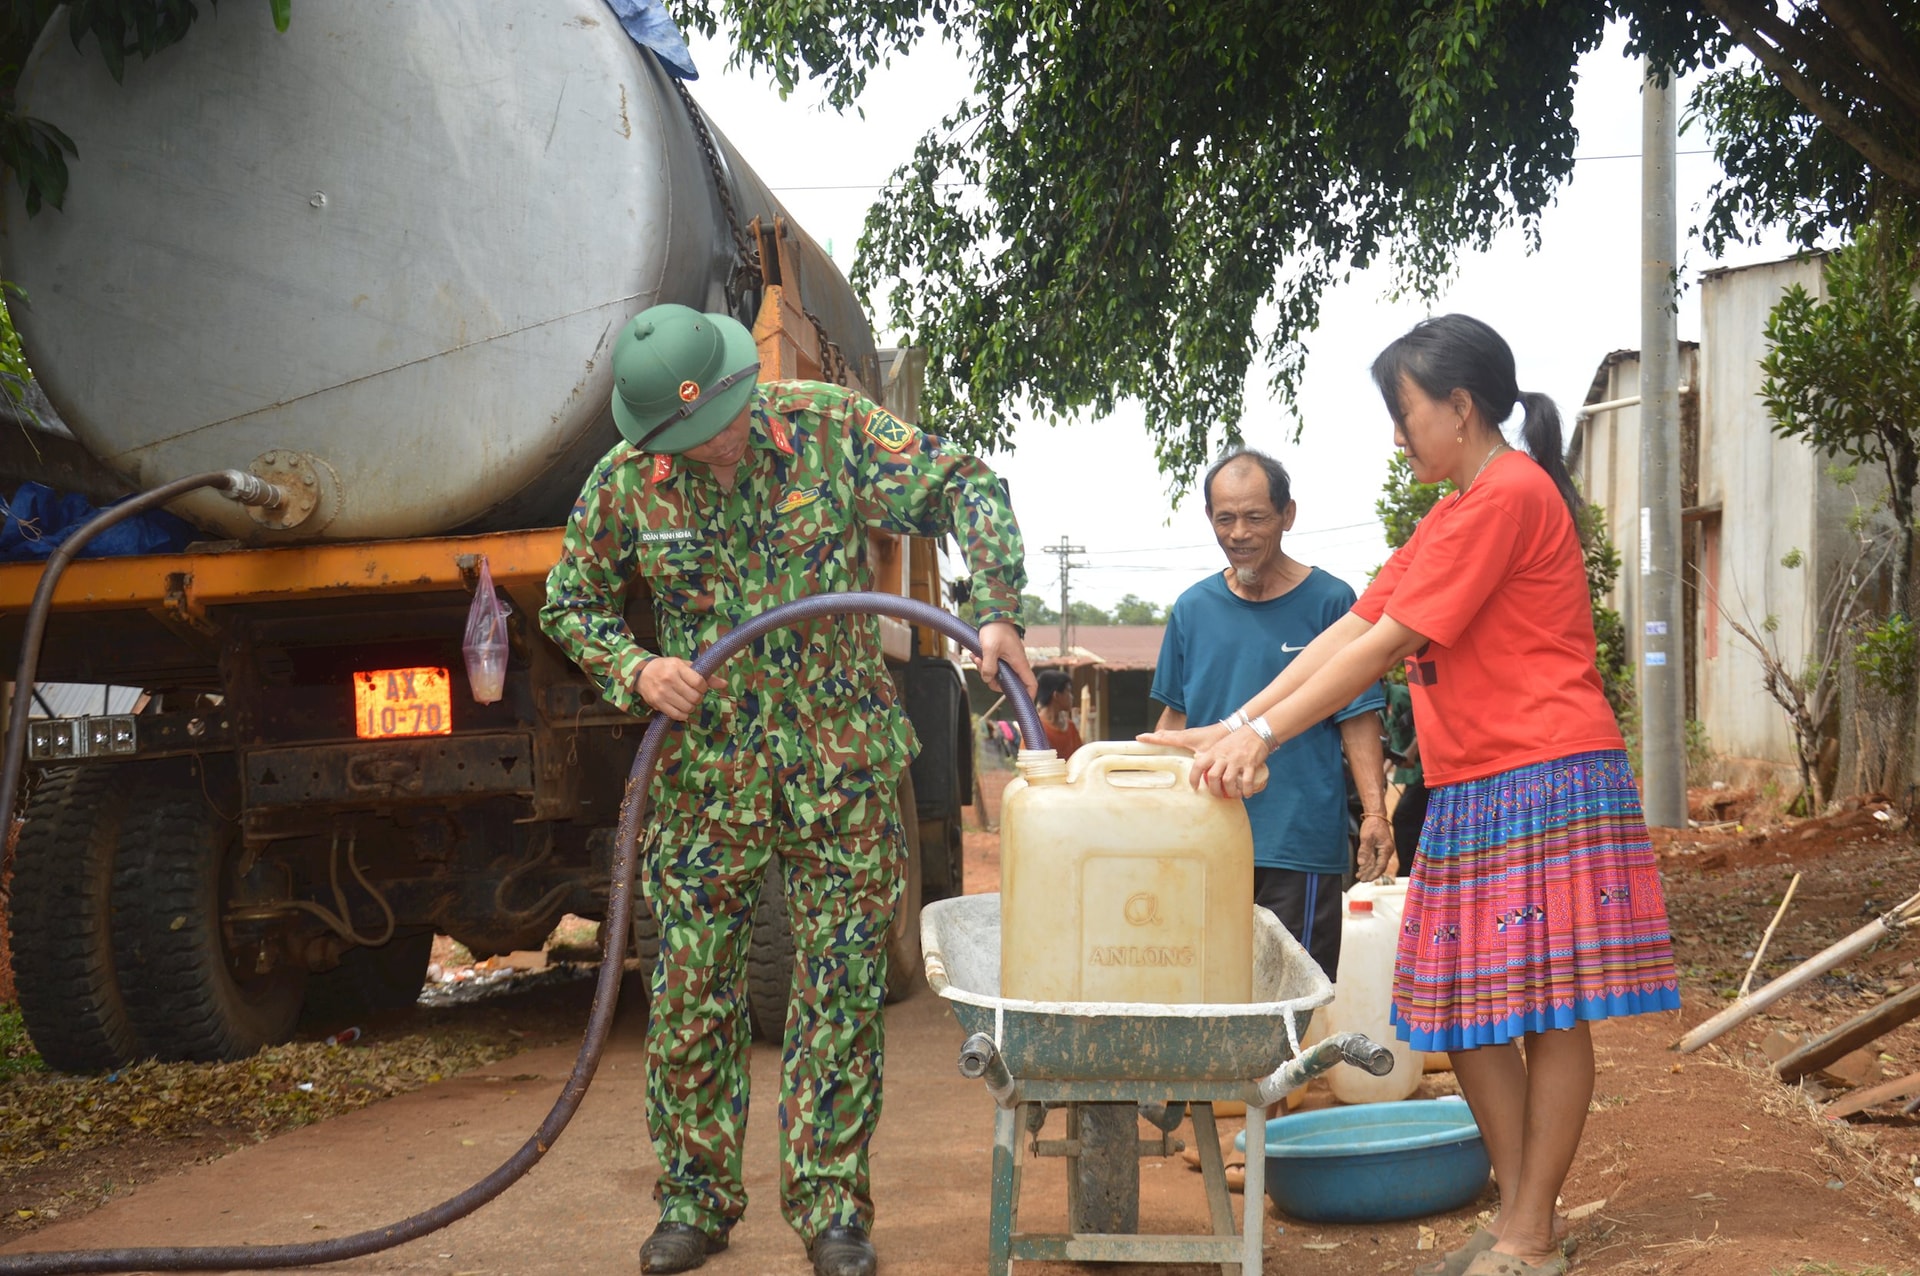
1220, 650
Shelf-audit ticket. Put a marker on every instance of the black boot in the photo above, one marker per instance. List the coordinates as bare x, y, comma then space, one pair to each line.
678, 1247
843, 1251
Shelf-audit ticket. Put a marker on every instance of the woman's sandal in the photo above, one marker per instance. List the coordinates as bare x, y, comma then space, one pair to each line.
1456, 1263
1489, 1263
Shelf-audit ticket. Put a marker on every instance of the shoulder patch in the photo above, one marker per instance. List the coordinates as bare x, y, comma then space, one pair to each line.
888, 430
782, 437
662, 467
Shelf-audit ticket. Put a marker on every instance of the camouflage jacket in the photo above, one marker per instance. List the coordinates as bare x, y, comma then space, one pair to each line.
808, 715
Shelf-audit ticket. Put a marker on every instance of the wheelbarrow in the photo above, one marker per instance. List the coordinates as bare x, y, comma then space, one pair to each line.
1108, 1063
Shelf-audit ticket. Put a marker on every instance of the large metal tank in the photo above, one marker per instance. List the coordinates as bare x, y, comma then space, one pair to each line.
386, 252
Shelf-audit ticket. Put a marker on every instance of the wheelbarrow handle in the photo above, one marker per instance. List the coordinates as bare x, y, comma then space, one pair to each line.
1346, 1047
980, 1060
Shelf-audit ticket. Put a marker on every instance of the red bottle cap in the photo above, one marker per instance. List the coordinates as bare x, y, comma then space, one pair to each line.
1359, 906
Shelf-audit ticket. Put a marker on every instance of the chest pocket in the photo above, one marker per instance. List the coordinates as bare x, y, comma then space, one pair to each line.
679, 573
807, 522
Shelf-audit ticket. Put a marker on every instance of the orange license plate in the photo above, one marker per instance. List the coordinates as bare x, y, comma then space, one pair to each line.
402, 702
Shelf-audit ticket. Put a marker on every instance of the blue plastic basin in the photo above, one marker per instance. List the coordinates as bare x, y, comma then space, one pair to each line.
1374, 1162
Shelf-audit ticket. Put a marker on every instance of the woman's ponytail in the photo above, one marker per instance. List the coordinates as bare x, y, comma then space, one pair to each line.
1541, 432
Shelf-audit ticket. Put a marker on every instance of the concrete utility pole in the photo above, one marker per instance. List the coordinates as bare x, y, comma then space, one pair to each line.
1067, 565
1663, 674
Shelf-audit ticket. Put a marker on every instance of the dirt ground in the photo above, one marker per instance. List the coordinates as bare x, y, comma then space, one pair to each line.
1700, 1165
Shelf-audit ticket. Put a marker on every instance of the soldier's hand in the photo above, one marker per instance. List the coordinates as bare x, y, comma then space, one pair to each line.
1001, 649
672, 686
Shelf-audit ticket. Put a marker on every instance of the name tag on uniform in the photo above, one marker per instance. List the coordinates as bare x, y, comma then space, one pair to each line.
798, 498
667, 535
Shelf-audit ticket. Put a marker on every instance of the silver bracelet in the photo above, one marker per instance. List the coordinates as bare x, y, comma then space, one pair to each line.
1265, 732
1234, 721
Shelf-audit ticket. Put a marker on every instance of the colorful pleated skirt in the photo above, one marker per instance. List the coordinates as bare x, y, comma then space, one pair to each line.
1535, 903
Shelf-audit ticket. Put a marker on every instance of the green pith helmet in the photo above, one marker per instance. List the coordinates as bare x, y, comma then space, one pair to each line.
680, 377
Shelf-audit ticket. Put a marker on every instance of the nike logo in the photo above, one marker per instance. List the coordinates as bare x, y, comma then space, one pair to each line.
1284, 647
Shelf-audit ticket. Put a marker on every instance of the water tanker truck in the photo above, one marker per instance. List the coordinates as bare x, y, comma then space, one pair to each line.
378, 260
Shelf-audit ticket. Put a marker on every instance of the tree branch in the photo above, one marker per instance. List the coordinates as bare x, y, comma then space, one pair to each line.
1882, 47
1806, 47
1904, 169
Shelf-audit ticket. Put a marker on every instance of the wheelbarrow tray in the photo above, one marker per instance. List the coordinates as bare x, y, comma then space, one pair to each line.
1118, 1041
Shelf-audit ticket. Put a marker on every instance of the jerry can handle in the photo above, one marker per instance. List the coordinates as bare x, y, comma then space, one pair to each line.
1175, 762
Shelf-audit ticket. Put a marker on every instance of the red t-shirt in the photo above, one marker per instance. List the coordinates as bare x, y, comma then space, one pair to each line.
1496, 582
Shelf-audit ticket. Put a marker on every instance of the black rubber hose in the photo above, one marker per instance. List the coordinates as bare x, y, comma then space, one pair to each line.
248, 489
606, 993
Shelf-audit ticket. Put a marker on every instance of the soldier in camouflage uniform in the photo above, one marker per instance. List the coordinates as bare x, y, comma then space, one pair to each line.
729, 497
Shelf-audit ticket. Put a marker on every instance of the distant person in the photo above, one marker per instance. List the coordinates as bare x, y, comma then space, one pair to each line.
1403, 756
1535, 905
1055, 699
1224, 638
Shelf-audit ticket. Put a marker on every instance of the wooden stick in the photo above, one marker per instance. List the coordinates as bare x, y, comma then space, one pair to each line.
1851, 1035
1767, 938
1861, 1100
1890, 923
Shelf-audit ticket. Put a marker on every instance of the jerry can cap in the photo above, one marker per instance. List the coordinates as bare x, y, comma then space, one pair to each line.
1364, 906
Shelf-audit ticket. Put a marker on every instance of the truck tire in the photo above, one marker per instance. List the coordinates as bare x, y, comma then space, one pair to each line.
770, 951
189, 996
1104, 1193
943, 872
369, 982
61, 920
905, 966
646, 935
770, 959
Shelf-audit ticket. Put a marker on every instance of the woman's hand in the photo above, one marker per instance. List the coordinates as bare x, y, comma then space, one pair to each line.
1191, 738
1235, 766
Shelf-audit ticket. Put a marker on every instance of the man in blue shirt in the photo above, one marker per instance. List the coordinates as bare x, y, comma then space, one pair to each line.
1227, 638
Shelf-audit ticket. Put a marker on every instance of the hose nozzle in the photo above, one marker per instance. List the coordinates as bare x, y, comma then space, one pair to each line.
251, 490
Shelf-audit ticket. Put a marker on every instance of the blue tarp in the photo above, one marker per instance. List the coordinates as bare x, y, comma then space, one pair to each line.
647, 22
39, 520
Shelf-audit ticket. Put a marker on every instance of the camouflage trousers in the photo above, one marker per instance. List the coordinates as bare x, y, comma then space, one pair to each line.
703, 878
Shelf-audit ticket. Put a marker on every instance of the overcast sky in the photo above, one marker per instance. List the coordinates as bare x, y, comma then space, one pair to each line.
1562, 309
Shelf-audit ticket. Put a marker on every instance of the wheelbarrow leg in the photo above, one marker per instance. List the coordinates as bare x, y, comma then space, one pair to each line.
1006, 1189
1255, 1193
1213, 1175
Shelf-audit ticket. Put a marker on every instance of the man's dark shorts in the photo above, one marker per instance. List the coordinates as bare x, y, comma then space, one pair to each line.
1308, 904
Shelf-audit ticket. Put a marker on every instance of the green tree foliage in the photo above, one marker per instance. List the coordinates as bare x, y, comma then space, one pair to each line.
14, 373
1821, 126
1137, 200
1405, 500
1610, 651
1134, 610
1034, 611
36, 151
1843, 374
1085, 613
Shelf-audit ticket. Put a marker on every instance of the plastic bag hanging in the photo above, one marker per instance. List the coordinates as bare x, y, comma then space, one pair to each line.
486, 644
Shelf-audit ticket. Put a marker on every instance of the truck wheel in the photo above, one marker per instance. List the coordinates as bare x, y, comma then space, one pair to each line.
943, 872
369, 982
61, 921
904, 963
646, 935
1103, 1189
192, 995
770, 959
770, 953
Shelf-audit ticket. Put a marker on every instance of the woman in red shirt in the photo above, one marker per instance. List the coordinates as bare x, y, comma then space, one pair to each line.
1535, 905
